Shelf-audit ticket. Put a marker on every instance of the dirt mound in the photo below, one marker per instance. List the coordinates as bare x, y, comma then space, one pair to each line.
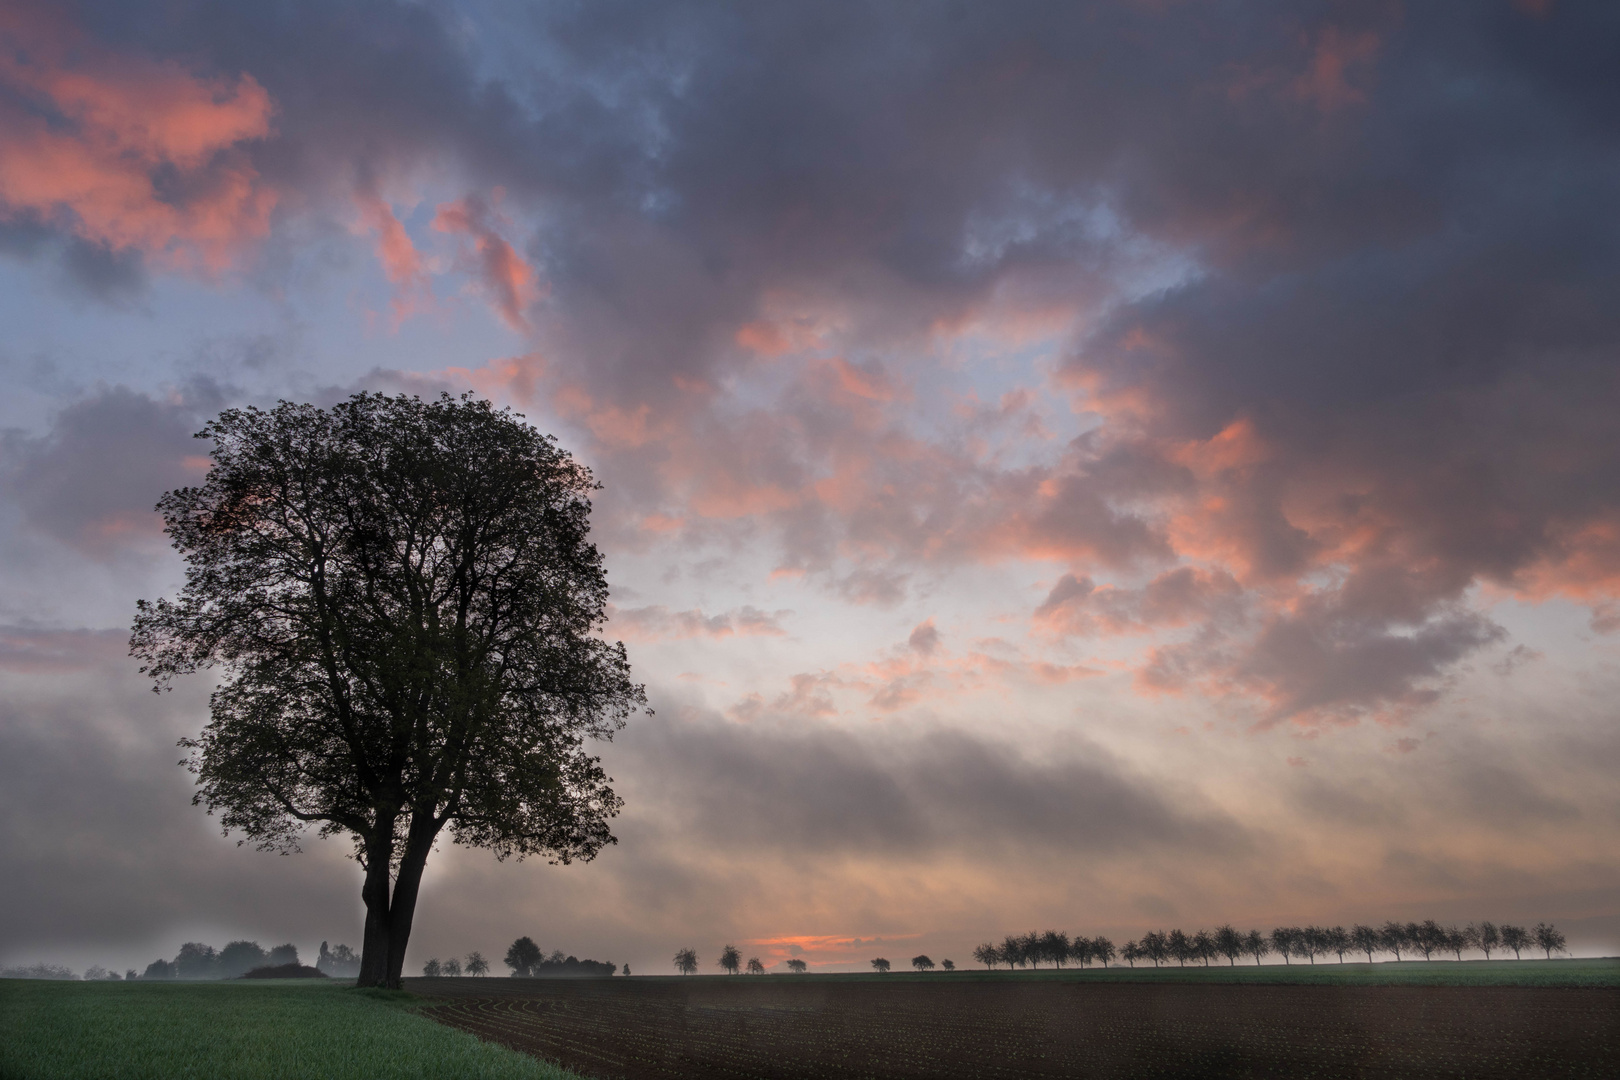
285, 971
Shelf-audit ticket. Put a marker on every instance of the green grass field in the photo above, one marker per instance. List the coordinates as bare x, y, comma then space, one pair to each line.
236, 1031
1602, 972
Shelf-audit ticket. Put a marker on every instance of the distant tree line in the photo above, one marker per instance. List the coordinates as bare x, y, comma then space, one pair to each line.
1305, 943
528, 961
196, 960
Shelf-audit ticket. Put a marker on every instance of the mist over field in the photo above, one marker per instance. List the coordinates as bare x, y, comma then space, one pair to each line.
1103, 467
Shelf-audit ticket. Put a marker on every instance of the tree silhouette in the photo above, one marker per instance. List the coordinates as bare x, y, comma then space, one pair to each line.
881, 966
1515, 938
451, 968
1155, 947
1229, 943
1393, 937
797, 966
1484, 937
987, 954
1203, 946
755, 967
1285, 940
1012, 951
476, 964
1365, 939
686, 962
1102, 949
431, 969
1549, 939
523, 957
922, 963
1256, 945
1082, 950
731, 959
948, 965
1055, 947
405, 607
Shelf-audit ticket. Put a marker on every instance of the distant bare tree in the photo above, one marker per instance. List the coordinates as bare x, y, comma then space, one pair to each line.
1426, 937
1181, 947
1484, 937
755, 967
476, 964
922, 963
431, 969
881, 966
451, 968
1103, 949
1515, 938
1285, 939
1155, 946
1456, 941
987, 954
1256, 945
1313, 942
731, 959
1012, 951
1338, 941
1365, 939
1229, 943
1549, 939
1082, 951
686, 962
1203, 946
797, 966
1392, 938
1055, 947
1030, 946
948, 965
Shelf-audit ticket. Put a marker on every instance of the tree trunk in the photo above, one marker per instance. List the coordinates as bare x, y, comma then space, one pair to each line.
391, 904
374, 949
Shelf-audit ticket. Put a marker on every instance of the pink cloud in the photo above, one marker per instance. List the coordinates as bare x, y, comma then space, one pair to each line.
658, 623
510, 282
130, 153
401, 262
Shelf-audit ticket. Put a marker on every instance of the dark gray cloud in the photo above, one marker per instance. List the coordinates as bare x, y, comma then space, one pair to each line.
825, 792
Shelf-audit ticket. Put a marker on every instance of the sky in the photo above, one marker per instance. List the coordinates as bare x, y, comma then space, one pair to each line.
1101, 466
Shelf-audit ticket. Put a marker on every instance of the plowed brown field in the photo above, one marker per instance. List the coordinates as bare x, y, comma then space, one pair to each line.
802, 1028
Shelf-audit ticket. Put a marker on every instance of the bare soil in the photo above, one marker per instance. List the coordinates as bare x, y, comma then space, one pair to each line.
805, 1028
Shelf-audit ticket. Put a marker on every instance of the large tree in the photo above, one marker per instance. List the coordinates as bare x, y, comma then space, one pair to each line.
404, 607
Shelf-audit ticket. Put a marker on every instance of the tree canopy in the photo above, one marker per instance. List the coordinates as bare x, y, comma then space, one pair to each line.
404, 607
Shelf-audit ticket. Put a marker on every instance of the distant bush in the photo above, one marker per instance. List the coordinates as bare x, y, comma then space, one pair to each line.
285, 971
38, 971
340, 963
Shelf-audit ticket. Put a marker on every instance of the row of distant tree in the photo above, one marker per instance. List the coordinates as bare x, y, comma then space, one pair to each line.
474, 965
196, 960
95, 973
1400, 940
528, 961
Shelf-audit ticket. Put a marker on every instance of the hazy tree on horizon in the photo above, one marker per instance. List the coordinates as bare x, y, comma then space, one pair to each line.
1393, 938
730, 959
1515, 938
1155, 946
1180, 946
239, 957
1130, 952
523, 956
1082, 950
881, 966
1256, 945
755, 967
1456, 941
1055, 947
686, 961
1426, 937
1103, 949
1029, 946
1285, 940
1312, 941
1229, 943
1549, 938
1365, 939
405, 607
1012, 951
797, 966
1484, 937
451, 968
987, 954
1203, 946
947, 964
922, 963
431, 969
476, 964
